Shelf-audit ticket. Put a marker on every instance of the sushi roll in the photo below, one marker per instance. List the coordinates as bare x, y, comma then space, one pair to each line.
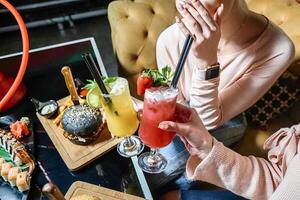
15, 155
2, 132
5, 169
22, 181
10, 144
6, 138
12, 175
1, 163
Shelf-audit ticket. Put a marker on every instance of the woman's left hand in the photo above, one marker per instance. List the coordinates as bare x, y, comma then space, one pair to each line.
204, 28
191, 131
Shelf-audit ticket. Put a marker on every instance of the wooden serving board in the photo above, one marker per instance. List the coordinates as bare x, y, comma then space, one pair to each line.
77, 156
79, 188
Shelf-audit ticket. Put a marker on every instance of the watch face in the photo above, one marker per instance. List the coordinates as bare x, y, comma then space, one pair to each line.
212, 72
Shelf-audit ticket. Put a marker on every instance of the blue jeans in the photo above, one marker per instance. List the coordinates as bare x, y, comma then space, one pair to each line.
208, 195
177, 155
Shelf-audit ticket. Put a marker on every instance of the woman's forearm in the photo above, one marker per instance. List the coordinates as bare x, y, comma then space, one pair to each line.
204, 97
250, 177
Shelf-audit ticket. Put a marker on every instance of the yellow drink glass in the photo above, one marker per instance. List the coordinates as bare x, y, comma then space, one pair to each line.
121, 117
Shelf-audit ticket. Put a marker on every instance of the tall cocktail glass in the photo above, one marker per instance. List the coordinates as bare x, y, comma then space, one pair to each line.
159, 106
121, 117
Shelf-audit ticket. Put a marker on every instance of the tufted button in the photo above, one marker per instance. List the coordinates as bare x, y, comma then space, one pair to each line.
124, 15
152, 11
279, 23
134, 57
145, 33
289, 4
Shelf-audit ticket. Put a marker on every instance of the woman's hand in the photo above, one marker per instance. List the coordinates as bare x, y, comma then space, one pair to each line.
205, 29
191, 130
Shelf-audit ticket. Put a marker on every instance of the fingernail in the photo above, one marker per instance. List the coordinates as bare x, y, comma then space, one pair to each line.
181, 2
213, 28
163, 126
193, 1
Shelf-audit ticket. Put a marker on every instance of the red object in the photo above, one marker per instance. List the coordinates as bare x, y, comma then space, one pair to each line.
155, 112
14, 87
143, 82
5, 83
19, 129
83, 93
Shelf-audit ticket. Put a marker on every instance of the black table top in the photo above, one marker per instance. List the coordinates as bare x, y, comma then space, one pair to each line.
110, 171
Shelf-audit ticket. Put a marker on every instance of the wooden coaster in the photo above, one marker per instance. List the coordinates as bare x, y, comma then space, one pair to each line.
77, 156
79, 188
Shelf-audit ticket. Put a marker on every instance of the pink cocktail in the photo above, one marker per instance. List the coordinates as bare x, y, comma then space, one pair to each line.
159, 106
154, 113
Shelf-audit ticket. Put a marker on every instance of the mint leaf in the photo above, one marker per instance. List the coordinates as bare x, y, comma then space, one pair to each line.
167, 75
162, 77
108, 80
166, 70
90, 85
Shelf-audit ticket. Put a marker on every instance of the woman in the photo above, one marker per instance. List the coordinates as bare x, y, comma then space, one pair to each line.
252, 53
250, 177
249, 52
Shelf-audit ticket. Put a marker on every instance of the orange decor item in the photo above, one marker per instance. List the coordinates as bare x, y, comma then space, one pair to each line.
12, 92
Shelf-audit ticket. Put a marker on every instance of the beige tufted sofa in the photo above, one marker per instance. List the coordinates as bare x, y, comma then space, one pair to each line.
136, 25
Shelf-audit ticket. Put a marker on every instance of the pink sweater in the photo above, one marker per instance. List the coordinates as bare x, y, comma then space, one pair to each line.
252, 177
245, 75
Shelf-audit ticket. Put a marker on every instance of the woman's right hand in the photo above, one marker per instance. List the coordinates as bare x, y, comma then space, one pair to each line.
191, 130
204, 27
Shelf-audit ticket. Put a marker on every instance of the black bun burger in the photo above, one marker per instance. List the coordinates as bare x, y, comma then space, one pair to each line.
82, 124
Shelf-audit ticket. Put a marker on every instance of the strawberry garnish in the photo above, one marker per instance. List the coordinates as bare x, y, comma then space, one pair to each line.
154, 78
144, 82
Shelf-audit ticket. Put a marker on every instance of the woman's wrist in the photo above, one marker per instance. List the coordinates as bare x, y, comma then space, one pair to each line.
206, 148
204, 64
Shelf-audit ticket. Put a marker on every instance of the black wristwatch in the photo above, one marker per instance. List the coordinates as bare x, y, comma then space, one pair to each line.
210, 72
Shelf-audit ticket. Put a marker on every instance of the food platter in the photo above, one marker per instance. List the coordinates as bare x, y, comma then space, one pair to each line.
17, 160
77, 156
79, 188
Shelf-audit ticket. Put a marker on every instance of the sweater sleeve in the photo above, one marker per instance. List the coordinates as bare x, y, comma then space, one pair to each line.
289, 187
250, 177
215, 107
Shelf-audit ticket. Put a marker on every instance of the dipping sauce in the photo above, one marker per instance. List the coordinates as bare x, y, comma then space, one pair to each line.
47, 109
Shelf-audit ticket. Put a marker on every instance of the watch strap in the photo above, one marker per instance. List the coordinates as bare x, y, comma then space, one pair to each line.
210, 72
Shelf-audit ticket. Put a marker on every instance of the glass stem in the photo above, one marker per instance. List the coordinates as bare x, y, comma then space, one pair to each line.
153, 158
129, 144
153, 152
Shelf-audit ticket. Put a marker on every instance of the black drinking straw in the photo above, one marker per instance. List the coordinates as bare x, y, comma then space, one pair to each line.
90, 63
185, 51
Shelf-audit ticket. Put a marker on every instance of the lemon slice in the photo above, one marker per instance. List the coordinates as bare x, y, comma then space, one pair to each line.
93, 98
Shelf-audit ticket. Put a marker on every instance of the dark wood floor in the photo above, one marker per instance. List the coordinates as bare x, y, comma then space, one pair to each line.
97, 27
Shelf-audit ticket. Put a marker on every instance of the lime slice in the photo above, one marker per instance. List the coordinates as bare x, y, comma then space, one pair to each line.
93, 98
